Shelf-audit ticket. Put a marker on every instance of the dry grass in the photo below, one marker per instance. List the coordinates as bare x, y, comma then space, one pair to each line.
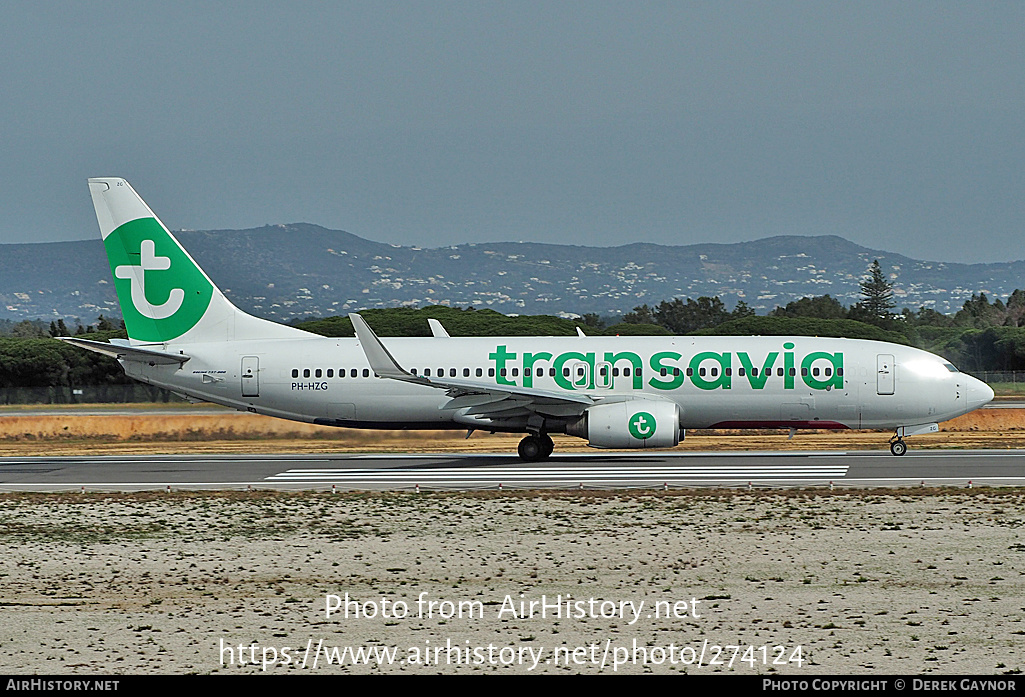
229, 432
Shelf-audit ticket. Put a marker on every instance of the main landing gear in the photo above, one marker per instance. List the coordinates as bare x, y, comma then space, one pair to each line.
535, 448
897, 445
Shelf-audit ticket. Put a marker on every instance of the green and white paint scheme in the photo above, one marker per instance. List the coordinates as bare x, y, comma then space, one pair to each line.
642, 425
616, 392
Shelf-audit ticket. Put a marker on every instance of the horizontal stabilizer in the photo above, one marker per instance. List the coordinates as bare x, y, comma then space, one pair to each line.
127, 353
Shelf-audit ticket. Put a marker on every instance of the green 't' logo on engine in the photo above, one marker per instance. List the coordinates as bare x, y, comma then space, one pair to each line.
162, 292
642, 425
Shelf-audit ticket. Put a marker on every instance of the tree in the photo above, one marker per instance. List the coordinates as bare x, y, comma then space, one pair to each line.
742, 310
821, 306
58, 328
928, 317
682, 318
27, 329
877, 305
641, 315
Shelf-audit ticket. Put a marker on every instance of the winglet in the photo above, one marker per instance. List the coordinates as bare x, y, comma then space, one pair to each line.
380, 359
580, 333
437, 330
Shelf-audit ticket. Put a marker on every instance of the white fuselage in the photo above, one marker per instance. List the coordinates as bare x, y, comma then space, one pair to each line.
717, 381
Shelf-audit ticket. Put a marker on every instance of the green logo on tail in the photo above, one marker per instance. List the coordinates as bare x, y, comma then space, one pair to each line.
162, 292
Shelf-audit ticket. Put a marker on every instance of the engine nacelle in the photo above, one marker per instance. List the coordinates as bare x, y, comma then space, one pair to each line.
637, 423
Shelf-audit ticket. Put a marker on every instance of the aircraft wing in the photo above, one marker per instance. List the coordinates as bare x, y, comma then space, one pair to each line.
127, 353
481, 397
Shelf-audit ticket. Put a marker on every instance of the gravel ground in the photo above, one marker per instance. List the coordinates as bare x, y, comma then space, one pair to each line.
916, 581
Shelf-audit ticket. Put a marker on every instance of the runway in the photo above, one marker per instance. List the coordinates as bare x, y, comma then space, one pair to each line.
955, 468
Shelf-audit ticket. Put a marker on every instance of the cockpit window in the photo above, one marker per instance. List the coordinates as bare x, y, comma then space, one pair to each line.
950, 367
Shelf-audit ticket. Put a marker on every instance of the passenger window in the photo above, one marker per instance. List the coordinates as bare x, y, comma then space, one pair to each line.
804, 372
793, 372
540, 372
451, 372
366, 372
551, 372
479, 372
740, 372
690, 372
715, 372
491, 372
676, 372
728, 371
503, 371
466, 372
779, 372
427, 372
664, 372
306, 372
515, 372
295, 372
829, 372
318, 373
412, 371
615, 372
815, 372
754, 372
330, 372
701, 372
839, 371
353, 373
626, 372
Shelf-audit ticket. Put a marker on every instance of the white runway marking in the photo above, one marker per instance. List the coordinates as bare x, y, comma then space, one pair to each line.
562, 474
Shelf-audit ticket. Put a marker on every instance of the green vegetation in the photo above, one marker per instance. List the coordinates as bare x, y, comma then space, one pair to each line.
982, 337
406, 321
35, 369
803, 326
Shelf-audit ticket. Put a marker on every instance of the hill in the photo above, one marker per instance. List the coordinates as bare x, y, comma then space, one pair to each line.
286, 271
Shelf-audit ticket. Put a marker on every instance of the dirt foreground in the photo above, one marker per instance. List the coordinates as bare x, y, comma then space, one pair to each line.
915, 581
803, 582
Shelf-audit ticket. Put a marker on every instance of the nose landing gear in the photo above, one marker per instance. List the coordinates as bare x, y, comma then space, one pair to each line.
897, 445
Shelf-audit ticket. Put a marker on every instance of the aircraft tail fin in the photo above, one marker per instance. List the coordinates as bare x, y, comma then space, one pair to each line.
165, 296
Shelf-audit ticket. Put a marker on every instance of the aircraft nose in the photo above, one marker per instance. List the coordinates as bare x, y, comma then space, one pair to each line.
979, 394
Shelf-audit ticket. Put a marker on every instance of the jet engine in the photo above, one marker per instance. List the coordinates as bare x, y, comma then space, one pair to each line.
638, 423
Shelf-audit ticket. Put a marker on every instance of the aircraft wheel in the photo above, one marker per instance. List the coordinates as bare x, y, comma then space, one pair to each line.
898, 447
531, 449
547, 446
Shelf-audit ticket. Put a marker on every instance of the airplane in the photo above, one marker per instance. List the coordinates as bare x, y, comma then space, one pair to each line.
620, 392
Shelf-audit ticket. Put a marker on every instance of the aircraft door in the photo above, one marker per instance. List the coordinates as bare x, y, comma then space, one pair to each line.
884, 373
250, 376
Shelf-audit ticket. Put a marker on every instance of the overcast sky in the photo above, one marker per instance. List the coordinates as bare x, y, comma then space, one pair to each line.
896, 125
